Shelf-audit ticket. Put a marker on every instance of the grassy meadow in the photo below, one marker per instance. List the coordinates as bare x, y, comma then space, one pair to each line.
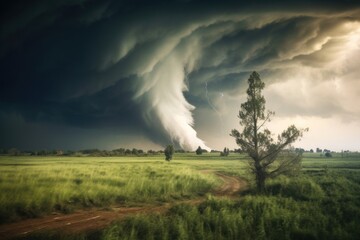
323, 202
34, 186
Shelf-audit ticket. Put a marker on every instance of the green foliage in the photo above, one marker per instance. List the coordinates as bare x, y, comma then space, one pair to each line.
274, 216
315, 204
35, 186
199, 151
299, 188
328, 154
169, 152
225, 152
269, 157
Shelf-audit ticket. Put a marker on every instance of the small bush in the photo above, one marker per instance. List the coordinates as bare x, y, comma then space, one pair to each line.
328, 154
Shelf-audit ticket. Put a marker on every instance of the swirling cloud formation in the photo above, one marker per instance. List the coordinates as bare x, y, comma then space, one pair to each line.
140, 68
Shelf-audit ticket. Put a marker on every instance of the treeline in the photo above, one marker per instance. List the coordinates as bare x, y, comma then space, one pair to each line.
104, 153
85, 152
139, 152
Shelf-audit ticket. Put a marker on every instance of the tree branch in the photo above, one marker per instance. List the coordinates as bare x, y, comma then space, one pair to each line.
266, 119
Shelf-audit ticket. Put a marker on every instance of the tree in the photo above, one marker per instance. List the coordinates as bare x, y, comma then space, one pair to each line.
328, 154
134, 151
199, 151
225, 152
269, 158
14, 152
169, 152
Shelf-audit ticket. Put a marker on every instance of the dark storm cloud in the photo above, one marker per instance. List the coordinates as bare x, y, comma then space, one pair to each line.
125, 64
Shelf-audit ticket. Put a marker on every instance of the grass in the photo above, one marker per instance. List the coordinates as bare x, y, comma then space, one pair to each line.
323, 202
254, 217
313, 205
34, 186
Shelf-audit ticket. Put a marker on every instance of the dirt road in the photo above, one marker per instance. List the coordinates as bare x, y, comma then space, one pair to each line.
231, 186
91, 220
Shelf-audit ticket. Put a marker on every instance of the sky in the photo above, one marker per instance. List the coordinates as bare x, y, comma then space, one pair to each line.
79, 74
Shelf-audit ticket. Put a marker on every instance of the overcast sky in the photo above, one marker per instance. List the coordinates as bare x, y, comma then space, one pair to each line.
106, 74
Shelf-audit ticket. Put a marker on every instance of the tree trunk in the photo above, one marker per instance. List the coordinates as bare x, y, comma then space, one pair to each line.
260, 180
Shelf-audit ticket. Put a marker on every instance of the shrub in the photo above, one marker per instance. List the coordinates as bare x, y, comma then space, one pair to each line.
199, 151
169, 152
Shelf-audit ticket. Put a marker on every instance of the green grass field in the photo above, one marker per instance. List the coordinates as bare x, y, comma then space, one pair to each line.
35, 186
323, 202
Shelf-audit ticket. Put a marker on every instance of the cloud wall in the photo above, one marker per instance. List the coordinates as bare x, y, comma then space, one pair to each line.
148, 67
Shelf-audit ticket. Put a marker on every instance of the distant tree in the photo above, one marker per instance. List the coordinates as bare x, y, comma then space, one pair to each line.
299, 150
91, 152
14, 152
66, 153
59, 152
134, 151
269, 158
106, 153
328, 154
199, 151
33, 153
169, 152
318, 150
311, 150
118, 151
237, 150
43, 152
225, 152
151, 152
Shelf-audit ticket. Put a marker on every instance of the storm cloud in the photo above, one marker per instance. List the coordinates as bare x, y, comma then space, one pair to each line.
121, 69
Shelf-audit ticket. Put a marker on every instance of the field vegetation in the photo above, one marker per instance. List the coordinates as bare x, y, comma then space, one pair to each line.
322, 202
34, 186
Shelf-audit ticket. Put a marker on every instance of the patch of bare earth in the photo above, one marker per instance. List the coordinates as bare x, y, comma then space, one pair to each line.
91, 220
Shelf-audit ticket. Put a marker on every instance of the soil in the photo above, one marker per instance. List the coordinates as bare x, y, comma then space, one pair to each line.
95, 219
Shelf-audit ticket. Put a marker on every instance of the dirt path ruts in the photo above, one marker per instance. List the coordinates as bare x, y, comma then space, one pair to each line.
231, 186
90, 220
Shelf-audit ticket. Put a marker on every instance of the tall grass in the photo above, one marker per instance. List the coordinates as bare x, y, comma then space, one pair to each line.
301, 208
321, 203
35, 186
